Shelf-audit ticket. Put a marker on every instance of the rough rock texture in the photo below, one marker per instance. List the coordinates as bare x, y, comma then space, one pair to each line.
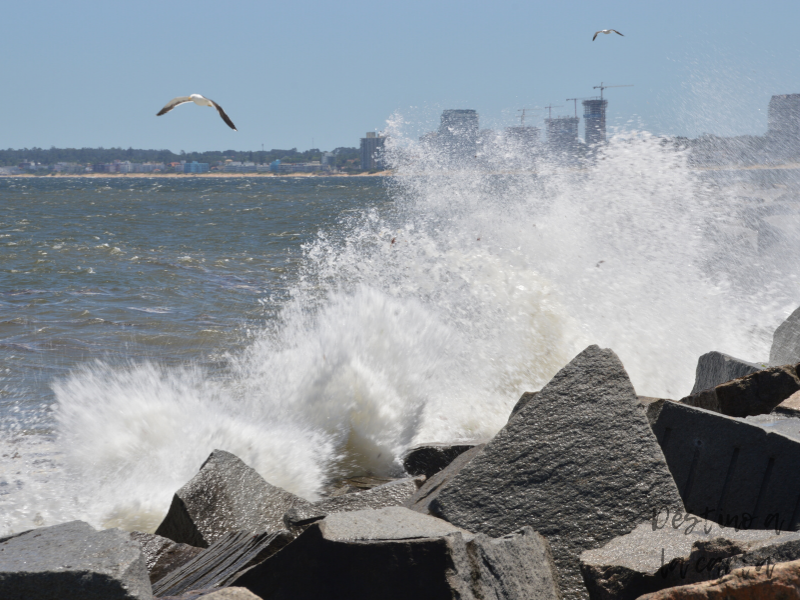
677, 549
225, 496
397, 554
773, 582
218, 565
429, 459
580, 465
422, 499
522, 403
789, 407
754, 394
394, 493
232, 593
732, 469
162, 555
786, 341
73, 561
716, 368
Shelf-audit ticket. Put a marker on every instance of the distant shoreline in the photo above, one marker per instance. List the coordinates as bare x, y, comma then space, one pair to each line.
207, 175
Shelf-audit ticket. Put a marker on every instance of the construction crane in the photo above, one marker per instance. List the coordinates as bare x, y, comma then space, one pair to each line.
602, 87
550, 110
576, 104
522, 110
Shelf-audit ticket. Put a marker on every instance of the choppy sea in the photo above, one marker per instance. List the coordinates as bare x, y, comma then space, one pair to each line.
317, 327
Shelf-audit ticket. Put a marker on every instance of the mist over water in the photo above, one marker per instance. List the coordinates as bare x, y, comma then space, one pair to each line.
421, 323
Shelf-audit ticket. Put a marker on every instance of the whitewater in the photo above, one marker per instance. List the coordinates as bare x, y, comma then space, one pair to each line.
419, 319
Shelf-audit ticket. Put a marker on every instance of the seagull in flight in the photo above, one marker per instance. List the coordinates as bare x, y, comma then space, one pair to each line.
606, 31
200, 101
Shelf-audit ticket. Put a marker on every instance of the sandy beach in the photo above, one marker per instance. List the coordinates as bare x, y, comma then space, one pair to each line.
209, 175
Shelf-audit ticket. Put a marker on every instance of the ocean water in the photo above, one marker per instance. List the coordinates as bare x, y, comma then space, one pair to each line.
317, 327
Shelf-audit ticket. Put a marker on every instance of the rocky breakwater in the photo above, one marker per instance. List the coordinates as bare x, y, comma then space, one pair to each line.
587, 492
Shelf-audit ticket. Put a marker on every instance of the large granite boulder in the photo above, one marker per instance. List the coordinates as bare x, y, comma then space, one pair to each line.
737, 472
397, 554
225, 496
715, 368
786, 341
429, 459
767, 582
421, 500
219, 564
73, 561
678, 549
754, 394
579, 464
394, 493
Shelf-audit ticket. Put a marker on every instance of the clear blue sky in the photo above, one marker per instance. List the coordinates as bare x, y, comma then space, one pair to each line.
88, 74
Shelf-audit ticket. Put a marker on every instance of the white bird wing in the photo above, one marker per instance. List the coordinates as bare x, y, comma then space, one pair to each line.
172, 104
222, 114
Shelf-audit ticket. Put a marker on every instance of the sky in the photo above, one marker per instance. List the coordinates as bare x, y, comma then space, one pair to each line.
321, 74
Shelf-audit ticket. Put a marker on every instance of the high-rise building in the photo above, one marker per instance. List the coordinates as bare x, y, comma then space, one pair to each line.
562, 134
783, 116
459, 132
371, 147
594, 118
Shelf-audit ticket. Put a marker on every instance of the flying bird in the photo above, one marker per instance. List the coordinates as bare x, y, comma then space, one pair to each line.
200, 101
606, 31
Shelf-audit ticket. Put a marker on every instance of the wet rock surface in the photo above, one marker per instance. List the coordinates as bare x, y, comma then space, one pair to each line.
429, 491
429, 459
786, 341
580, 465
162, 555
73, 561
224, 497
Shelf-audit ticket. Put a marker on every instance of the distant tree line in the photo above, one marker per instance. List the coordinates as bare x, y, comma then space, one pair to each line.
344, 157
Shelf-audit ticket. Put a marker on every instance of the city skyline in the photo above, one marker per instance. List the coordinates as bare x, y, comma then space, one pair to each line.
89, 74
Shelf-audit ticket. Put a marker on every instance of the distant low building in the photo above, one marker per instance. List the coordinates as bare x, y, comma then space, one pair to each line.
314, 166
195, 167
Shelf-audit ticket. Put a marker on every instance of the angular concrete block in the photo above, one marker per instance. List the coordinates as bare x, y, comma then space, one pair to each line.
224, 497
397, 554
579, 464
715, 368
394, 493
72, 561
429, 459
755, 394
678, 549
740, 472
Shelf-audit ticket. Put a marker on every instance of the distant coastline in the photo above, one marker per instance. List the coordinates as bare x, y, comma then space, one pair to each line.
213, 175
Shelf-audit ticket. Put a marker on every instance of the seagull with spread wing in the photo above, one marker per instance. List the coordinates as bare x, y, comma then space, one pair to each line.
606, 31
200, 101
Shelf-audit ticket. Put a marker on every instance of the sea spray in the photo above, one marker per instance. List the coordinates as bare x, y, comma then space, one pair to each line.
423, 323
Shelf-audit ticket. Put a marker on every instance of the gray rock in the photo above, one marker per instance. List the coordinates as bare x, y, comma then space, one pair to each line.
429, 459
218, 565
737, 472
580, 465
678, 549
754, 394
421, 500
72, 561
786, 341
396, 554
225, 496
394, 493
162, 555
715, 368
232, 593
521, 403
